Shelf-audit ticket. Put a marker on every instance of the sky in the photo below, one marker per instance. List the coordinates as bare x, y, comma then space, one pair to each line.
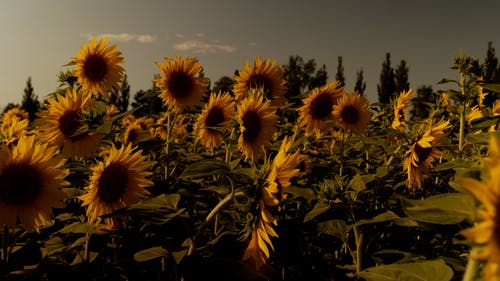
40, 36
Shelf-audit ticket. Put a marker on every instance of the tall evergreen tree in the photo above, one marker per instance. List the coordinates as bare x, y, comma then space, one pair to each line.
425, 97
30, 101
401, 78
387, 86
360, 85
224, 84
339, 76
491, 73
124, 95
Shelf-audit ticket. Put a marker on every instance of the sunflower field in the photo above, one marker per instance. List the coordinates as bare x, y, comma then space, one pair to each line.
247, 184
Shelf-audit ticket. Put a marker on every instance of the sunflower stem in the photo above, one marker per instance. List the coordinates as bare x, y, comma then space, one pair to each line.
5, 244
472, 266
210, 216
170, 125
462, 115
358, 237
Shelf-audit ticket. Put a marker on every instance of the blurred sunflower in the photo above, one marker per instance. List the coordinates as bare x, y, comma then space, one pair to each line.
215, 116
495, 111
485, 232
138, 130
12, 131
98, 67
257, 120
179, 130
14, 113
116, 182
421, 155
271, 195
318, 107
352, 112
62, 124
265, 75
179, 84
400, 107
30, 181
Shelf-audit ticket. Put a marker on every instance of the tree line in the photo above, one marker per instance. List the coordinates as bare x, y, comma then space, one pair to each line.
302, 76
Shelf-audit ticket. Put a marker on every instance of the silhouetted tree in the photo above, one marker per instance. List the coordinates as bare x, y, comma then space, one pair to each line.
491, 73
339, 76
360, 85
224, 84
387, 86
124, 97
30, 101
401, 78
421, 103
147, 103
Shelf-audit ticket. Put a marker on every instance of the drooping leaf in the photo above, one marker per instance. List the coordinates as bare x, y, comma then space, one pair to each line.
337, 228
205, 167
387, 216
435, 270
151, 253
319, 208
450, 208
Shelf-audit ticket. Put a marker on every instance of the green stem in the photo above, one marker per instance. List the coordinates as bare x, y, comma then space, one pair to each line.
461, 134
472, 266
358, 237
5, 244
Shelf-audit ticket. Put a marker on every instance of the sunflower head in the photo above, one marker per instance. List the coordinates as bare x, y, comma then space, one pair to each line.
400, 107
98, 68
216, 116
116, 182
30, 180
14, 113
138, 130
180, 84
352, 112
257, 120
264, 75
317, 108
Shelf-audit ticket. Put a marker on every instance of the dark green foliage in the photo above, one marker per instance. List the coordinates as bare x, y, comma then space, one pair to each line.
401, 78
122, 96
30, 101
387, 86
224, 84
425, 96
491, 73
340, 72
360, 85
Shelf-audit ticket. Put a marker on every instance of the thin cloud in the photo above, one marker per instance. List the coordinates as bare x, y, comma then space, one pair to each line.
253, 44
203, 47
124, 37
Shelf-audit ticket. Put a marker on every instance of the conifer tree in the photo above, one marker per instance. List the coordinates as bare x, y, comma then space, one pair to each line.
401, 78
491, 73
360, 85
387, 86
339, 76
421, 103
30, 101
124, 95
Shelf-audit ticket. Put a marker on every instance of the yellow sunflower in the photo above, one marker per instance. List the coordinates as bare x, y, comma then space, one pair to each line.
257, 120
421, 155
352, 112
12, 131
30, 181
98, 67
400, 106
265, 75
215, 116
271, 195
14, 113
485, 232
318, 107
138, 130
61, 122
495, 111
180, 84
116, 182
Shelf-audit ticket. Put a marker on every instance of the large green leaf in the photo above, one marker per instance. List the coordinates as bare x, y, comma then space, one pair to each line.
205, 167
387, 216
435, 270
319, 208
450, 208
151, 253
337, 228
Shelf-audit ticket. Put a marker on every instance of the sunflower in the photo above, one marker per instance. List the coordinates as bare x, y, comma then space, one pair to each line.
271, 195
318, 107
14, 113
30, 181
400, 106
138, 130
216, 115
265, 75
257, 120
116, 182
180, 88
98, 67
62, 123
421, 155
352, 112
12, 131
486, 231
179, 130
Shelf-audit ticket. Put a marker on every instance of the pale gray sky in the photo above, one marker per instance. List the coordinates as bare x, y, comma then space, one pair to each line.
40, 36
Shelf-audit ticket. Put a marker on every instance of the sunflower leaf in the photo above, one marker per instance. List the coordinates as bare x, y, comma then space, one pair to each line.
450, 208
151, 253
203, 168
435, 270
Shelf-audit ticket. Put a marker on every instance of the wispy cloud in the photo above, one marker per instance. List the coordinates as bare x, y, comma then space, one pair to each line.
124, 37
203, 47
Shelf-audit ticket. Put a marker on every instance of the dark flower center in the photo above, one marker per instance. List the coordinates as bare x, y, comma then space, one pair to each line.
349, 114
20, 184
258, 81
214, 117
69, 123
132, 136
180, 85
321, 106
422, 153
401, 113
112, 183
252, 124
95, 68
